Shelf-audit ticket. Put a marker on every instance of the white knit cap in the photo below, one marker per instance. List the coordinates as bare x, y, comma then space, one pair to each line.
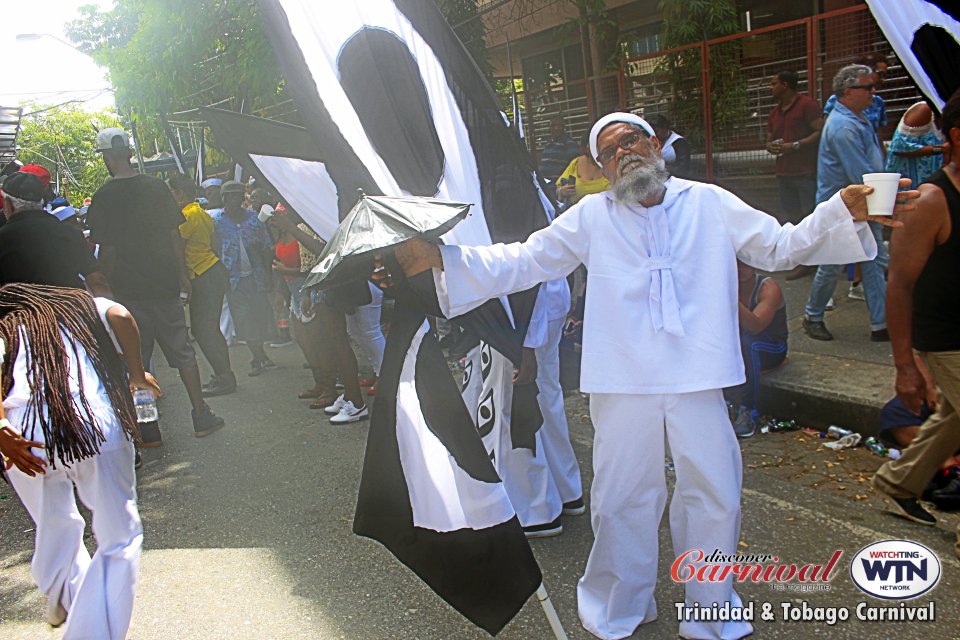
610, 118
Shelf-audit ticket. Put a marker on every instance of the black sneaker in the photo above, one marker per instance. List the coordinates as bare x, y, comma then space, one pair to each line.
547, 530
880, 335
205, 422
947, 495
910, 509
816, 329
221, 386
259, 366
137, 459
150, 435
574, 507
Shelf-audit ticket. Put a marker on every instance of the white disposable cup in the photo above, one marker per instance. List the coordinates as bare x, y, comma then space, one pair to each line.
884, 196
266, 212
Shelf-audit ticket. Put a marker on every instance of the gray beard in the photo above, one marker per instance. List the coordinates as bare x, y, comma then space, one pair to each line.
641, 184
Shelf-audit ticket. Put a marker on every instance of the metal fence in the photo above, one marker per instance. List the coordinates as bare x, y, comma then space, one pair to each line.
717, 93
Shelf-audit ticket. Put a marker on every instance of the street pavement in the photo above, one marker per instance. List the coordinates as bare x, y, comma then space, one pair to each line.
247, 534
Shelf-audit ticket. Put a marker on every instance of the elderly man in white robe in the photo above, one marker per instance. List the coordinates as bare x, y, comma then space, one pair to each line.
660, 342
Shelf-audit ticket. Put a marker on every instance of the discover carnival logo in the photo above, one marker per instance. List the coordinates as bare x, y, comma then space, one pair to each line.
895, 569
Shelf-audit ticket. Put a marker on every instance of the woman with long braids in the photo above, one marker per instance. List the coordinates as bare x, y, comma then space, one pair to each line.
67, 421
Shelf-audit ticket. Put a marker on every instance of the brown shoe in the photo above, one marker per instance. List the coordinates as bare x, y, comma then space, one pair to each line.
799, 271
309, 394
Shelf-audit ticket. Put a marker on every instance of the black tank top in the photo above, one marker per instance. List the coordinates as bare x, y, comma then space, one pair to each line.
776, 331
936, 298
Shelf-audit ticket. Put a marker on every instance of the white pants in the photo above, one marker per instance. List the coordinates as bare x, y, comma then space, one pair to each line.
555, 432
363, 325
529, 484
97, 593
616, 592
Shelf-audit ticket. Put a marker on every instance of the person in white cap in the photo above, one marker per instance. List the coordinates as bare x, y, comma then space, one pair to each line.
211, 191
660, 342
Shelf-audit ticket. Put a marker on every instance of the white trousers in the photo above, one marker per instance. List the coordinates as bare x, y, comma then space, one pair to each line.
363, 325
529, 483
555, 432
97, 593
616, 593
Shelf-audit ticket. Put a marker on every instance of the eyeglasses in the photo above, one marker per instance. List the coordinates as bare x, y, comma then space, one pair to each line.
626, 142
865, 87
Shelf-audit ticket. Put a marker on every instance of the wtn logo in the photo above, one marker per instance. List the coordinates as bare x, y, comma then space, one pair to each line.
895, 569
903, 570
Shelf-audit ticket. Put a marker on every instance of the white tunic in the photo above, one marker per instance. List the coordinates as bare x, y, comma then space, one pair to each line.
661, 310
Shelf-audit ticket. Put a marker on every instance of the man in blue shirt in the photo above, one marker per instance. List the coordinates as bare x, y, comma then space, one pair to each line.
849, 148
558, 151
246, 250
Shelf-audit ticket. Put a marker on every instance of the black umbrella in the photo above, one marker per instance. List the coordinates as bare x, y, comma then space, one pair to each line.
376, 223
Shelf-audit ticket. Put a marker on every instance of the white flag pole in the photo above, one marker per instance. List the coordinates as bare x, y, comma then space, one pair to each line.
551, 613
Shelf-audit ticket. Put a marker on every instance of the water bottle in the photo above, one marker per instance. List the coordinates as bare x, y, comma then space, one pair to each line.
874, 445
146, 405
838, 432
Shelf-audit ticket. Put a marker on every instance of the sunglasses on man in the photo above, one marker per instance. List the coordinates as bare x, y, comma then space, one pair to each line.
865, 87
626, 142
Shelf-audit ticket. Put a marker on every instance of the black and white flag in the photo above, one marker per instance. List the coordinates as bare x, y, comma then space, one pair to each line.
925, 35
397, 107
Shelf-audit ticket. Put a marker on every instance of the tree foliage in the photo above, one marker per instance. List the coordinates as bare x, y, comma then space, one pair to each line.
63, 140
689, 21
165, 56
170, 55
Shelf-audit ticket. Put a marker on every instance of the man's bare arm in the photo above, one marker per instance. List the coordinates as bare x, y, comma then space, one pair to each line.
910, 248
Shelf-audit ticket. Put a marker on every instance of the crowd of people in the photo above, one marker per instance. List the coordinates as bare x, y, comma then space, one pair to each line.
676, 313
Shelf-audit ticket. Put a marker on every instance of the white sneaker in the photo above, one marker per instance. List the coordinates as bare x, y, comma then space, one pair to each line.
856, 291
349, 413
334, 409
829, 306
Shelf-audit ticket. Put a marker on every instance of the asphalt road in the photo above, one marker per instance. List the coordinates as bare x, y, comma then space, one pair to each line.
247, 534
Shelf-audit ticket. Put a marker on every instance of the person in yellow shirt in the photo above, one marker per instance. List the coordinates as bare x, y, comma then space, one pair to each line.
581, 178
209, 280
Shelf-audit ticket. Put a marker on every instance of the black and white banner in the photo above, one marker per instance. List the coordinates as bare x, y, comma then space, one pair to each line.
925, 35
429, 491
283, 156
396, 106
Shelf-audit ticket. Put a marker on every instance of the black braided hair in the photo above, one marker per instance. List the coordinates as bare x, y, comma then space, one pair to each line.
33, 316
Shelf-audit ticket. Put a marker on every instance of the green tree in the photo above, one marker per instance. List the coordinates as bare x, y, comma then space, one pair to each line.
469, 27
63, 139
165, 56
689, 21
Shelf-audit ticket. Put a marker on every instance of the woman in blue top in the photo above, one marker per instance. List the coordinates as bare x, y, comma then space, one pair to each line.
916, 150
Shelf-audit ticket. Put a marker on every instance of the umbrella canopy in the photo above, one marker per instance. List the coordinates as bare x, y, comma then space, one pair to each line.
376, 223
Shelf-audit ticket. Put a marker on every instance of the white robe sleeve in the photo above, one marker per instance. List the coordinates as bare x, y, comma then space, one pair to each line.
473, 275
829, 235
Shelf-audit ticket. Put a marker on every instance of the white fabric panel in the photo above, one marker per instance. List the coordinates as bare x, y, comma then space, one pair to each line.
321, 34
442, 496
899, 20
307, 186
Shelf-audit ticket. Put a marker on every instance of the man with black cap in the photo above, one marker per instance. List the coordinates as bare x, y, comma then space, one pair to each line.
136, 222
36, 248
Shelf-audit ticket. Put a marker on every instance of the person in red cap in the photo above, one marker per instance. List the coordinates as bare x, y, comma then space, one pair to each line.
44, 176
